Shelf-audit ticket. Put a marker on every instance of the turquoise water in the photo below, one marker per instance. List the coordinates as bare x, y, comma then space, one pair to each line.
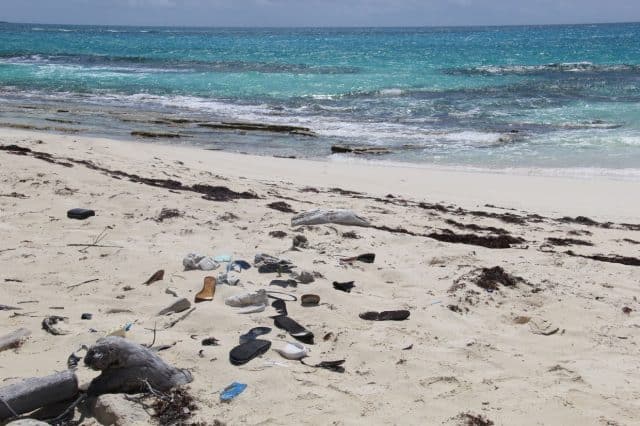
496, 97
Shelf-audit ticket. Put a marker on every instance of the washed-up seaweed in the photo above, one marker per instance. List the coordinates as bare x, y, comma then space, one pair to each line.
568, 242
474, 227
488, 241
281, 206
491, 278
209, 192
623, 260
168, 214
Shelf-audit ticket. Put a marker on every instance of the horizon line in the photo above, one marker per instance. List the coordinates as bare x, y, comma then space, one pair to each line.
327, 26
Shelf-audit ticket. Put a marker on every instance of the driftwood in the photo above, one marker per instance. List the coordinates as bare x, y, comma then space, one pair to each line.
13, 340
341, 149
36, 392
338, 216
129, 367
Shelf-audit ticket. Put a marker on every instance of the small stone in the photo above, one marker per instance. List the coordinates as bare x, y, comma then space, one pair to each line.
178, 306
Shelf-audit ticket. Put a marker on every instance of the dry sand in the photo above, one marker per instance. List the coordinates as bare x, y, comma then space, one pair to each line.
466, 352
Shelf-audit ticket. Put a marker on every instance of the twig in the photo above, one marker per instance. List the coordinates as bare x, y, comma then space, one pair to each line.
73, 405
83, 282
154, 335
174, 322
92, 245
9, 249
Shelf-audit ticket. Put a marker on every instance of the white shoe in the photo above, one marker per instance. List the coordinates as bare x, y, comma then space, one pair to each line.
293, 350
247, 299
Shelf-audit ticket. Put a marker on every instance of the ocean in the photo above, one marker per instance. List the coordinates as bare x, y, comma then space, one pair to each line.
547, 99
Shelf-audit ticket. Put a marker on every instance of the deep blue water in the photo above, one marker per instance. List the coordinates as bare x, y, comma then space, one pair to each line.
491, 97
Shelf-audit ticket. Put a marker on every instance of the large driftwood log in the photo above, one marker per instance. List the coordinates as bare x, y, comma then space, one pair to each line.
13, 340
129, 367
36, 392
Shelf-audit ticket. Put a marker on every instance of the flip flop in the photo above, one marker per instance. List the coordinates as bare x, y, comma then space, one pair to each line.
346, 287
280, 306
310, 300
248, 350
293, 350
294, 329
80, 214
284, 283
254, 333
208, 290
399, 315
231, 391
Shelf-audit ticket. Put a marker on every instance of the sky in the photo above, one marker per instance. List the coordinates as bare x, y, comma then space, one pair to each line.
300, 13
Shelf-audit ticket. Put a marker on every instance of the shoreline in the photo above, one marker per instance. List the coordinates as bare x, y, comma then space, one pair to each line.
552, 339
603, 197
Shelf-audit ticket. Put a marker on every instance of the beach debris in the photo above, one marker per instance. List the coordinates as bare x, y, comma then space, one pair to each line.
469, 419
623, 260
627, 310
488, 241
365, 258
210, 341
128, 367
172, 291
568, 242
49, 325
157, 276
253, 309
193, 261
398, 315
80, 214
222, 258
280, 306
86, 316
344, 149
257, 299
9, 308
294, 329
231, 391
208, 290
335, 366
167, 213
177, 306
237, 265
490, 278
229, 278
346, 286
254, 333
310, 300
268, 264
300, 242
36, 392
304, 277
248, 350
281, 206
278, 234
284, 283
337, 216
293, 350
542, 327
14, 339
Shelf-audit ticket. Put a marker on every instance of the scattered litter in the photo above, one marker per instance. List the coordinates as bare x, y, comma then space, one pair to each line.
210, 341
294, 329
49, 325
254, 333
328, 365
247, 299
337, 216
157, 276
193, 261
248, 350
176, 307
231, 391
229, 278
346, 286
304, 277
80, 214
293, 350
207, 292
310, 300
284, 283
86, 316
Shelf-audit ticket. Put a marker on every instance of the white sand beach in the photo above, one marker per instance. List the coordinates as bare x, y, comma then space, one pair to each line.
463, 349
